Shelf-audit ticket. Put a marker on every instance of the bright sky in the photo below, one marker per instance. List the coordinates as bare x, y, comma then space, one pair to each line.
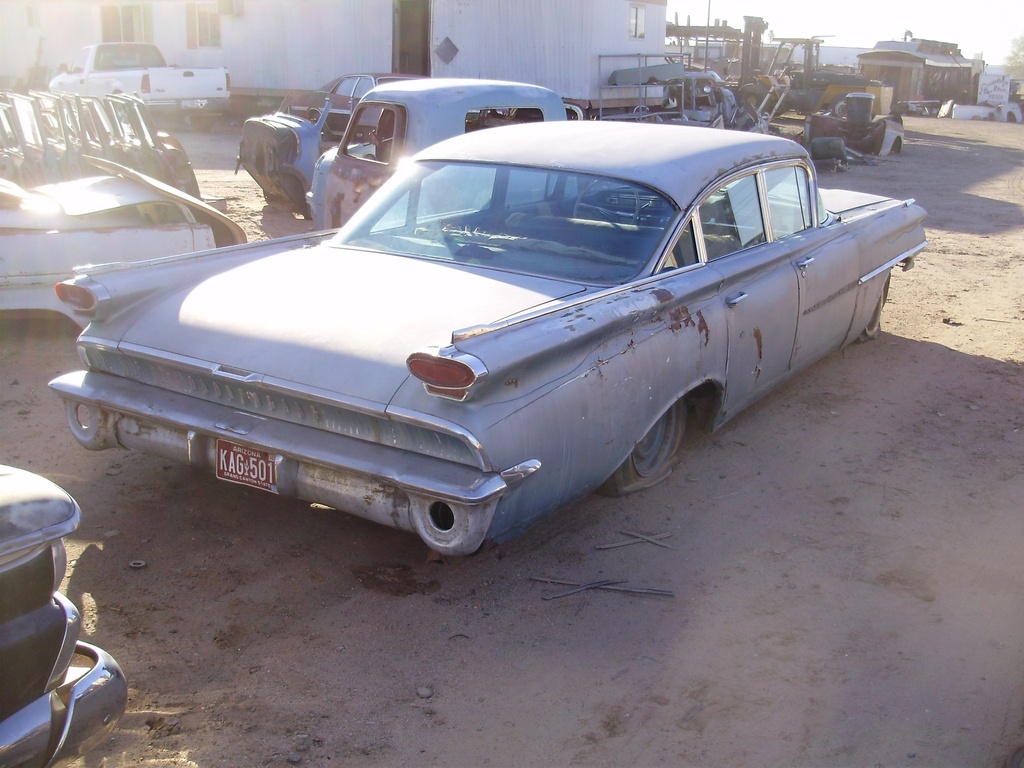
987, 30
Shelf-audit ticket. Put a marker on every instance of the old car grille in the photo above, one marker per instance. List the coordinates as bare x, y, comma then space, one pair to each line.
254, 399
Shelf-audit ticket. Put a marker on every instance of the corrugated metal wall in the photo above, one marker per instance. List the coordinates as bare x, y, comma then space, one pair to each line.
275, 45
554, 43
282, 44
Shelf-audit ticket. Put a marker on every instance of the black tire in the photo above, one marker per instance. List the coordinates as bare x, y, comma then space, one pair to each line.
651, 459
874, 326
753, 94
838, 106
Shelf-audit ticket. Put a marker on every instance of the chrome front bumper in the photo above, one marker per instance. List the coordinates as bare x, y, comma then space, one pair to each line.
72, 719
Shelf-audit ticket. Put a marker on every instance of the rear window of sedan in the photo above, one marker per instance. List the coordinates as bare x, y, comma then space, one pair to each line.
540, 221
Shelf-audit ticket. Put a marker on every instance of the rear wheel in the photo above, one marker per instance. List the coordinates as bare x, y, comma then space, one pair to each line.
651, 459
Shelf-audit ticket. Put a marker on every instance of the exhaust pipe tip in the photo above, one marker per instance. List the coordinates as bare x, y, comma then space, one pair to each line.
451, 528
90, 425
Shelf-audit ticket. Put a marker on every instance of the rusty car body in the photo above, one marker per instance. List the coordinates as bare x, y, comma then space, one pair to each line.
341, 95
280, 150
550, 301
115, 214
880, 136
60, 696
45, 138
396, 120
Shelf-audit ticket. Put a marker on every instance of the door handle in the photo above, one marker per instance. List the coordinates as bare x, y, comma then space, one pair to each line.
804, 262
736, 298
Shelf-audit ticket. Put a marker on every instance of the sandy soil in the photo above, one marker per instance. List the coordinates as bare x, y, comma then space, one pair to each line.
843, 557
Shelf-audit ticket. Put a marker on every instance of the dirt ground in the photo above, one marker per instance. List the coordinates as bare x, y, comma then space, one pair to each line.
844, 558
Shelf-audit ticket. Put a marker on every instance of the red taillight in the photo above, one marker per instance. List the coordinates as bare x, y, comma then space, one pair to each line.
145, 83
75, 296
441, 372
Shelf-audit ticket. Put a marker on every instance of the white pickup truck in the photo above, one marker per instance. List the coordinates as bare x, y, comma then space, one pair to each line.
140, 69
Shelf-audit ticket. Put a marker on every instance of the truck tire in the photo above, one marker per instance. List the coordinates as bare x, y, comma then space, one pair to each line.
838, 106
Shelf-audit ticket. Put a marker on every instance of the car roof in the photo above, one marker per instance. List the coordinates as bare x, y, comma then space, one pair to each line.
469, 93
679, 160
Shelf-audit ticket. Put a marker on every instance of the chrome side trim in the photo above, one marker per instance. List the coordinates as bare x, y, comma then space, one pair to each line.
893, 262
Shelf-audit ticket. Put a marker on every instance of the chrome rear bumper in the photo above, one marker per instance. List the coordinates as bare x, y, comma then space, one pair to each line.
449, 505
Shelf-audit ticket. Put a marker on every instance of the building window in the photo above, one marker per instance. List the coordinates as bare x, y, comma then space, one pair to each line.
637, 21
126, 23
203, 20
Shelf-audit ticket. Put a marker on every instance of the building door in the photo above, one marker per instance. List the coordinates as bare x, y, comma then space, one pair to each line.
412, 37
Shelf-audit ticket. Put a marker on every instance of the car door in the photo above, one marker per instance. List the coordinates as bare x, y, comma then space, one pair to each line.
759, 290
825, 259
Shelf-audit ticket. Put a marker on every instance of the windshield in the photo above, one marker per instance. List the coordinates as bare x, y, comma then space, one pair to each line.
538, 221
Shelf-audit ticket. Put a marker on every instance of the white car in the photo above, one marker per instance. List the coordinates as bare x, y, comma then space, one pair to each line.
49, 230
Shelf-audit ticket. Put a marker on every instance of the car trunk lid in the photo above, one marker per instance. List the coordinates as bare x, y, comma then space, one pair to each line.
328, 319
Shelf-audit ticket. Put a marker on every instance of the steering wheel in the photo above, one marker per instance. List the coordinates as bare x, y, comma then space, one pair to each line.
608, 191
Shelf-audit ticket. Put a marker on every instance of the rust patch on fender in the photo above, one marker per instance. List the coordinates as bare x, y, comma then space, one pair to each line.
681, 318
760, 343
702, 327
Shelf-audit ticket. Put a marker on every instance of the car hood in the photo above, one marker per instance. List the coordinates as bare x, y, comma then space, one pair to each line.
335, 320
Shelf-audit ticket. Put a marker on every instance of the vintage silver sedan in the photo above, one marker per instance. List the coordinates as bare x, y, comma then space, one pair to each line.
517, 318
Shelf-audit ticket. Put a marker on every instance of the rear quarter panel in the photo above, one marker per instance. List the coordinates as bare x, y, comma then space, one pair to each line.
578, 387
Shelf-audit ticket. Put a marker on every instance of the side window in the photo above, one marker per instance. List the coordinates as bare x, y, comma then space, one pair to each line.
345, 86
362, 86
822, 210
730, 219
371, 134
684, 252
78, 64
494, 117
788, 200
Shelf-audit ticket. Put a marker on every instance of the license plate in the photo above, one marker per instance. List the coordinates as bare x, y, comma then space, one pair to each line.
193, 103
246, 466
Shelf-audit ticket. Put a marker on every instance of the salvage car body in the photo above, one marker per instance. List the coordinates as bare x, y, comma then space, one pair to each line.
48, 231
44, 138
60, 696
880, 136
280, 150
702, 98
549, 300
342, 94
396, 120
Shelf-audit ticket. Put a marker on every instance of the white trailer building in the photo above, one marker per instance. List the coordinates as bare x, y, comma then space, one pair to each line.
271, 46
